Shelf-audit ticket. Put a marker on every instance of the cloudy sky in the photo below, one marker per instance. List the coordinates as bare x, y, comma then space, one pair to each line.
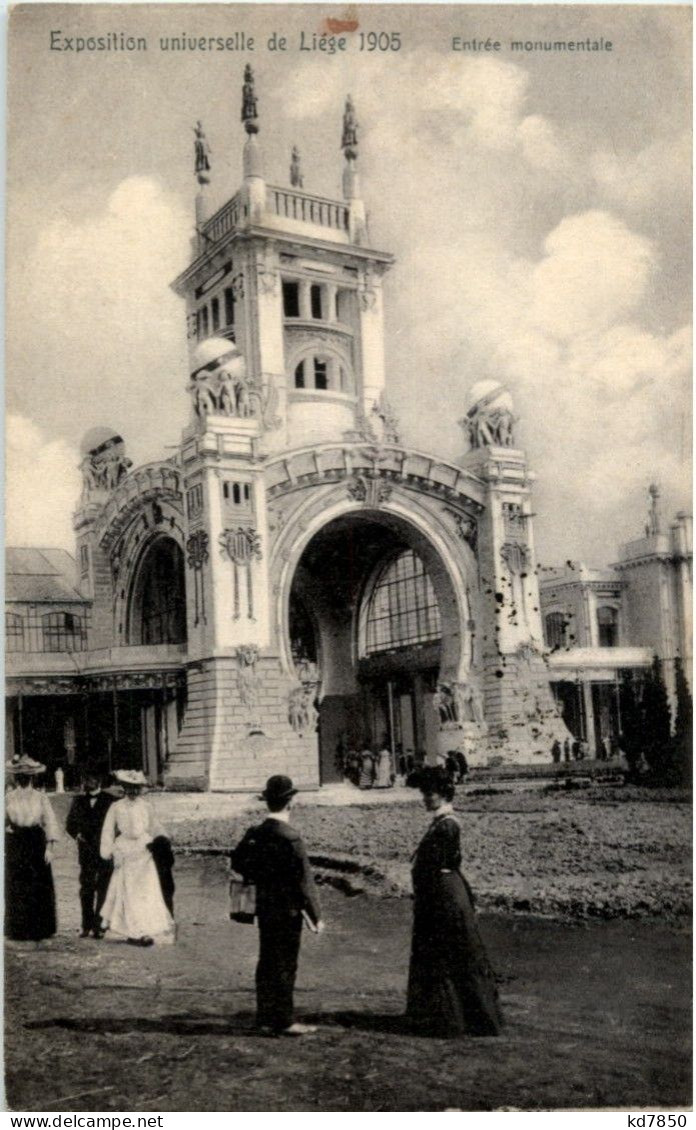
538, 208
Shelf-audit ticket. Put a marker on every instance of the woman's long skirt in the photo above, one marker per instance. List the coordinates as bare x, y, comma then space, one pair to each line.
134, 906
451, 986
30, 900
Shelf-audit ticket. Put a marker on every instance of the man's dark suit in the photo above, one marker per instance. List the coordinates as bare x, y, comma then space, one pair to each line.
273, 857
84, 824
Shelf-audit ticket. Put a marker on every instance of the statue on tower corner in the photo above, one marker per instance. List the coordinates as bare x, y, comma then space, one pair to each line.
654, 526
489, 419
296, 178
202, 155
349, 140
249, 102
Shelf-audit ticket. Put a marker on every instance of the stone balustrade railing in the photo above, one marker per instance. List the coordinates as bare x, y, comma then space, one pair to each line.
307, 207
224, 221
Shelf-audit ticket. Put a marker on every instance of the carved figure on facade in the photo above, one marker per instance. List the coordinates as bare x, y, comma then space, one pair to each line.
302, 713
387, 427
248, 679
349, 137
250, 110
202, 155
458, 703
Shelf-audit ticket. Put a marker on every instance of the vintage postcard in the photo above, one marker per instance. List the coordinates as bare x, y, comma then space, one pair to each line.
349, 559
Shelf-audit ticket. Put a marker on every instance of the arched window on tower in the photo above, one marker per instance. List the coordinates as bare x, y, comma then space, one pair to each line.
321, 373
324, 372
608, 626
555, 627
402, 607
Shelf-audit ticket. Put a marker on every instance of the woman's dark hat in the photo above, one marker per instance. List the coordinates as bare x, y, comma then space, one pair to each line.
278, 788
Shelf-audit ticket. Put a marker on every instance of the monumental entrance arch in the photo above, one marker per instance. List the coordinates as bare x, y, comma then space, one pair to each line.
307, 579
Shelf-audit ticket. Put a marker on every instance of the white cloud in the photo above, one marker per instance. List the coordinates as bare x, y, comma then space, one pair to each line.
595, 271
43, 486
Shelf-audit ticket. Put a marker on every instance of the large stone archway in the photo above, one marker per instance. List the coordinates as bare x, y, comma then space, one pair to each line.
369, 695
327, 562
156, 603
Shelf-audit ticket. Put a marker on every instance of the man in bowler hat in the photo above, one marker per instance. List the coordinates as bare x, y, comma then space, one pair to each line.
85, 822
273, 856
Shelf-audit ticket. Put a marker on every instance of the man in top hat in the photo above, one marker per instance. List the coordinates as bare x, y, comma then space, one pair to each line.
85, 822
273, 856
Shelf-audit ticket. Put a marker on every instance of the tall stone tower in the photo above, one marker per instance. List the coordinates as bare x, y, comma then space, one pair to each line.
284, 312
522, 717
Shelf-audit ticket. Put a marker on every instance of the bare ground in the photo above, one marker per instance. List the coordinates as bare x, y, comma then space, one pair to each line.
598, 1012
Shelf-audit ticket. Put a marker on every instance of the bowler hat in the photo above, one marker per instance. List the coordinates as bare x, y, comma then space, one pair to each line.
277, 788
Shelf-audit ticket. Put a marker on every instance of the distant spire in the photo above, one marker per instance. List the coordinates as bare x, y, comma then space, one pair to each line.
349, 140
249, 102
202, 154
296, 178
654, 520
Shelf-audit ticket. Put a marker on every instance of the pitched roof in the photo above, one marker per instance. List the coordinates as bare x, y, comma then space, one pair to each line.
40, 576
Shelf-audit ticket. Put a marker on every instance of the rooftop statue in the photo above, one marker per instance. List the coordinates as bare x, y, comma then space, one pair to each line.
249, 102
296, 178
349, 140
489, 420
202, 154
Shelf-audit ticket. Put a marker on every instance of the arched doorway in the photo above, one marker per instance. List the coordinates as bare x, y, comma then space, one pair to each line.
157, 606
373, 606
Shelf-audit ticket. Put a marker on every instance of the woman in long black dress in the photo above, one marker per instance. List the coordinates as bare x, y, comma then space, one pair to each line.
451, 987
30, 832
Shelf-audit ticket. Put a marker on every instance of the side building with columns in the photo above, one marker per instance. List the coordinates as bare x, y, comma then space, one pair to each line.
602, 627
296, 580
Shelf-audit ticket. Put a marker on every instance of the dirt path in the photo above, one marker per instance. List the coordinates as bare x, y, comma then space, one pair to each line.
597, 1016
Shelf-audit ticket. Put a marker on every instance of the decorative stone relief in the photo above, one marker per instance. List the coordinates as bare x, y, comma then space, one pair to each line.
467, 527
515, 557
242, 545
266, 273
103, 472
370, 491
197, 555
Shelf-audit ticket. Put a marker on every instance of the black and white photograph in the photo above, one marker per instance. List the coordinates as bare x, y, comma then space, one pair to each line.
348, 549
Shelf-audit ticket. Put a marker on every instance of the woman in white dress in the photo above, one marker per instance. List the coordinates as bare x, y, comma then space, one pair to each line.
134, 905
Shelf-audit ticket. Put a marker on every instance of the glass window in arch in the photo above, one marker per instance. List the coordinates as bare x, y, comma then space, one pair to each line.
14, 632
403, 607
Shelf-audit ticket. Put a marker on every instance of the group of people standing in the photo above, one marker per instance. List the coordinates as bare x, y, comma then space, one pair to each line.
126, 883
126, 887
368, 770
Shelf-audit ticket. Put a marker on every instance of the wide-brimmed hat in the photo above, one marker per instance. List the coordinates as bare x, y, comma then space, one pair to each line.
278, 788
25, 765
131, 777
